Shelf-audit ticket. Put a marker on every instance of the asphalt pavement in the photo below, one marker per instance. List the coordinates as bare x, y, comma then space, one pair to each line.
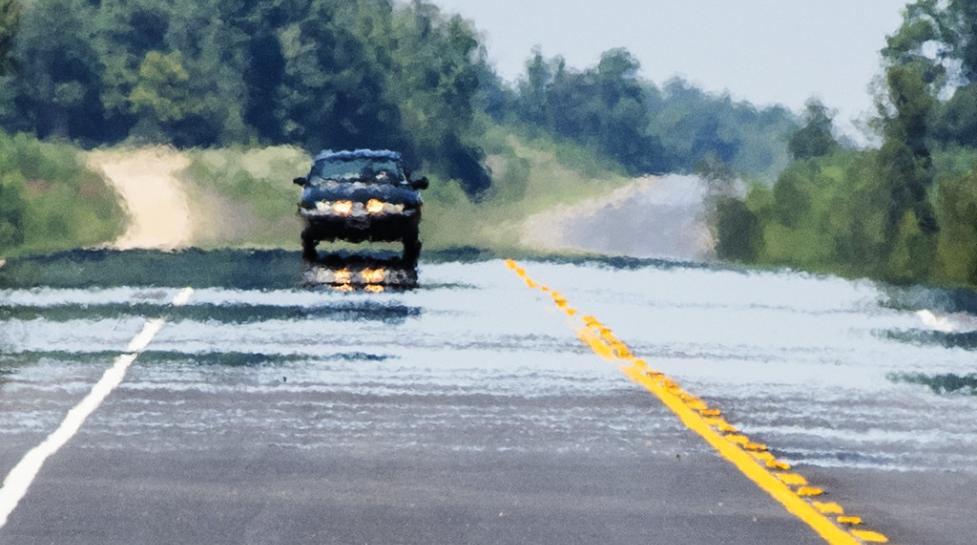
464, 409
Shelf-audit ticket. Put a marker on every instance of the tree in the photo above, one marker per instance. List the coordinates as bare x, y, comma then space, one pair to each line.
957, 210
739, 233
332, 96
937, 33
12, 208
905, 163
604, 107
533, 88
162, 94
59, 75
432, 66
939, 39
955, 121
9, 21
815, 138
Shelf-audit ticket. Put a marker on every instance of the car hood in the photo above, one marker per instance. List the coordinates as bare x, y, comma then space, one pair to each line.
359, 192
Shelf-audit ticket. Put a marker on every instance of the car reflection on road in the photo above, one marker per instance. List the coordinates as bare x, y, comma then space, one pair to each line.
361, 272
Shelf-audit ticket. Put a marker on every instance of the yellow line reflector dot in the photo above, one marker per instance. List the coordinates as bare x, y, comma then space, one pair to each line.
850, 520
870, 536
599, 348
756, 447
722, 425
706, 422
792, 479
744, 461
639, 363
829, 507
777, 464
763, 456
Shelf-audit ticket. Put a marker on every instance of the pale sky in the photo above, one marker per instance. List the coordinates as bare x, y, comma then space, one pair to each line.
766, 51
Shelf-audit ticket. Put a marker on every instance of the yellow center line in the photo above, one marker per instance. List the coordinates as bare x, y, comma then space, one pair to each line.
752, 459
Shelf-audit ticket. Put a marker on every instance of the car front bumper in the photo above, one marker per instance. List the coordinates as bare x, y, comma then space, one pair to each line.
360, 227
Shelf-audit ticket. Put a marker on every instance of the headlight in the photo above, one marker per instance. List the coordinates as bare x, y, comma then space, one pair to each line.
349, 208
374, 206
373, 276
342, 276
343, 208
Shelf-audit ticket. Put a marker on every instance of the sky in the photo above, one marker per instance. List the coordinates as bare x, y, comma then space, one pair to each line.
765, 51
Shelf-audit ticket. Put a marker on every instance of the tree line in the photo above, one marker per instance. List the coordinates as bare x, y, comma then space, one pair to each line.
644, 127
904, 211
317, 74
335, 74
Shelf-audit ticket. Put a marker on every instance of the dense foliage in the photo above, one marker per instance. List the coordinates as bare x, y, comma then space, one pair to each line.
50, 200
906, 211
332, 74
328, 73
9, 21
608, 107
316, 73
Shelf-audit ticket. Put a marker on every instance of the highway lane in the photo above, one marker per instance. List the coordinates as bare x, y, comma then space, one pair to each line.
466, 411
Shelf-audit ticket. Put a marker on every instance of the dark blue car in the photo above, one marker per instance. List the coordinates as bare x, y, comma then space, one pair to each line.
360, 195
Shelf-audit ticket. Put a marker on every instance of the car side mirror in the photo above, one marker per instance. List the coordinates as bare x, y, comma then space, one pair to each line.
300, 181
420, 183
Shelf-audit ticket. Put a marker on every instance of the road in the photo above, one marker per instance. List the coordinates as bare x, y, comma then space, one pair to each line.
651, 217
467, 410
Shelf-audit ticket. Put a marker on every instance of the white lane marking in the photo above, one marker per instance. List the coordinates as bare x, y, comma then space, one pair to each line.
141, 341
182, 297
22, 475
938, 323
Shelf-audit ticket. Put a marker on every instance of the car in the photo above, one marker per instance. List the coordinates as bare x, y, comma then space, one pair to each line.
360, 195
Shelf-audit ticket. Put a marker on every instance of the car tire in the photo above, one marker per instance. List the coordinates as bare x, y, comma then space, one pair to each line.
412, 247
309, 252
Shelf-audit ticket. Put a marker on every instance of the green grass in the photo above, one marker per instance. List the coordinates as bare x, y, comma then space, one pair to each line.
530, 174
243, 197
51, 199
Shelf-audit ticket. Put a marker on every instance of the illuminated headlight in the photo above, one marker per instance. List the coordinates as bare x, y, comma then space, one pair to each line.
374, 206
373, 276
343, 208
339, 208
342, 276
350, 208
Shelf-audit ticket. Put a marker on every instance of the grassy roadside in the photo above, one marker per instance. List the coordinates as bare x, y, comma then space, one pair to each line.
242, 197
835, 214
50, 200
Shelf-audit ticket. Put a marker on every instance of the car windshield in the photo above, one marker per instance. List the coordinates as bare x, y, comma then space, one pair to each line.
365, 170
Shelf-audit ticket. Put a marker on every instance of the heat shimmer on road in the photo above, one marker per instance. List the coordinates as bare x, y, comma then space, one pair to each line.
753, 459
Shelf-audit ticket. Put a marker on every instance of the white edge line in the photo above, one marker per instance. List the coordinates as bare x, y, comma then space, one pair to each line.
19, 479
